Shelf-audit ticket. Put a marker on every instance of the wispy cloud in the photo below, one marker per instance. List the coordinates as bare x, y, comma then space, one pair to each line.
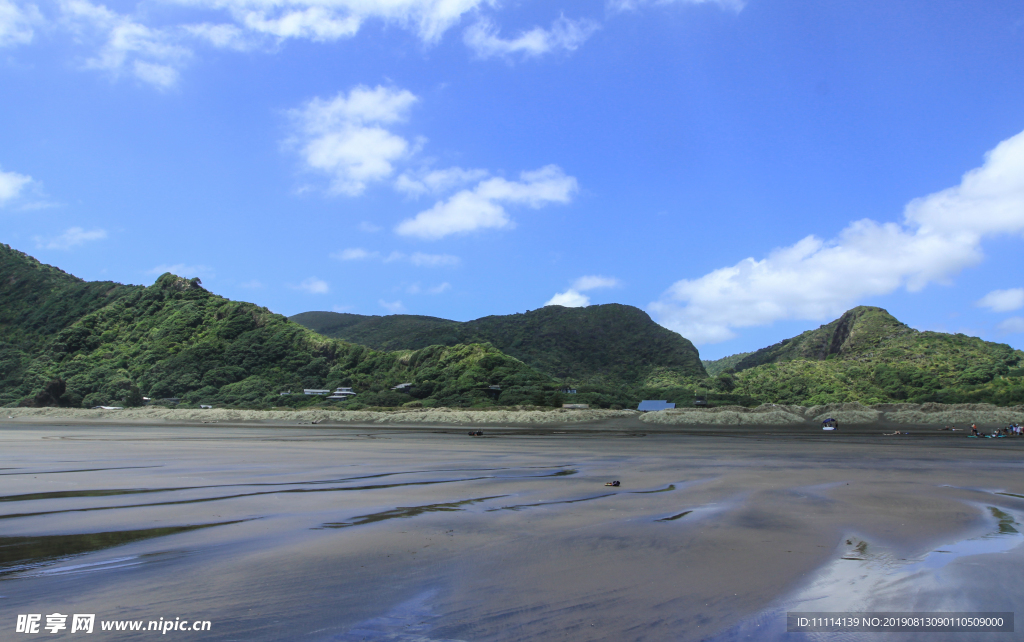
419, 259
251, 285
394, 307
440, 288
152, 55
564, 35
17, 22
940, 235
632, 5
1003, 300
313, 285
12, 185
72, 237
418, 183
574, 297
1013, 325
482, 206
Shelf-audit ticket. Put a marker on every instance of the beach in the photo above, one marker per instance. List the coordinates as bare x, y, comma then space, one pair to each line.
274, 529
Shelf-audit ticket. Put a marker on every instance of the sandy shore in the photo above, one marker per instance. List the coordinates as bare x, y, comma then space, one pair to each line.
392, 533
849, 414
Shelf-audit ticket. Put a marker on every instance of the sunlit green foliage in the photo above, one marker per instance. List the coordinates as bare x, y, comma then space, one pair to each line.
869, 356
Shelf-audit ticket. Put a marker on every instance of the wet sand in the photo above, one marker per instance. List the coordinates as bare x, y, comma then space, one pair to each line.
424, 533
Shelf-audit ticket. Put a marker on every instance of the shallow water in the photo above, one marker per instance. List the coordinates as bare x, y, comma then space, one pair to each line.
339, 534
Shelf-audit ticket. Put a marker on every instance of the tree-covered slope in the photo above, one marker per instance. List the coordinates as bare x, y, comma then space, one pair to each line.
717, 366
113, 344
868, 355
612, 344
39, 300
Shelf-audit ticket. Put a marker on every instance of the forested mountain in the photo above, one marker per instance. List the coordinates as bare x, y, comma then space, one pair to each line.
868, 355
112, 344
70, 342
608, 344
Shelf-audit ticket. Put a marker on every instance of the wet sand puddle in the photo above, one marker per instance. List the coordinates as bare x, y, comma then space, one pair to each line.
865, 578
19, 554
25, 553
134, 491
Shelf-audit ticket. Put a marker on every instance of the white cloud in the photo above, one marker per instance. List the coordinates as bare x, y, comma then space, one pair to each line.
369, 227
420, 259
327, 20
570, 299
11, 186
222, 36
395, 307
480, 207
72, 237
630, 5
16, 23
313, 285
573, 297
343, 137
437, 181
1003, 300
565, 35
182, 269
594, 282
1013, 325
941, 234
151, 55
355, 254
440, 288
316, 23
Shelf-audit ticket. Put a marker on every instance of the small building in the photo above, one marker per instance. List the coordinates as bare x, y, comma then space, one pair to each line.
568, 391
342, 393
402, 387
205, 406
576, 406
311, 391
648, 405
700, 402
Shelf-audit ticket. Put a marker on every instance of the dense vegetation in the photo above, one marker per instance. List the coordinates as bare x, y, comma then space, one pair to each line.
718, 366
112, 344
867, 355
65, 341
606, 346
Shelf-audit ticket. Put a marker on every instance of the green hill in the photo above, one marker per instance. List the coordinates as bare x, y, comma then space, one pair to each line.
609, 345
718, 366
868, 355
112, 344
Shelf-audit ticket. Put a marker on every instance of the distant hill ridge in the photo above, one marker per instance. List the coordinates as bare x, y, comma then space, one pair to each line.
613, 343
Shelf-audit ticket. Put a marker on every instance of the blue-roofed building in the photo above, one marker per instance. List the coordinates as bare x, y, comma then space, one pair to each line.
648, 405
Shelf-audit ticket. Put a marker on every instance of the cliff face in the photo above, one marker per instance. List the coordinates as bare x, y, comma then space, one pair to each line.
858, 331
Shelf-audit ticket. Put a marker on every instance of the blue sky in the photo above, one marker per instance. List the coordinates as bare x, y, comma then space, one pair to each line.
741, 170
